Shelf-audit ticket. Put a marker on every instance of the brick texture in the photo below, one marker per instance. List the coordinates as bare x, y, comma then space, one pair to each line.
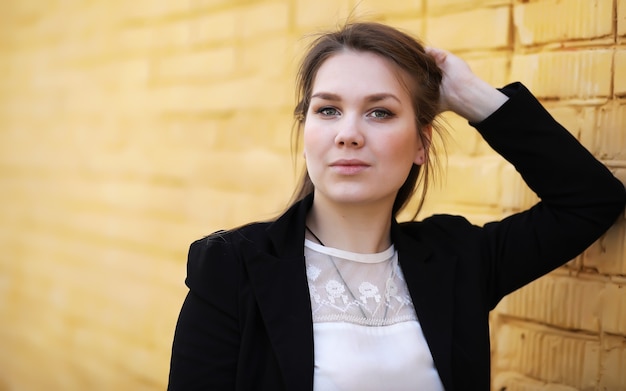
582, 73
620, 72
129, 129
621, 19
474, 29
577, 20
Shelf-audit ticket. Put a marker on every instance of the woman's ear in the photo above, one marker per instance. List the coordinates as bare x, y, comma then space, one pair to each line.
424, 136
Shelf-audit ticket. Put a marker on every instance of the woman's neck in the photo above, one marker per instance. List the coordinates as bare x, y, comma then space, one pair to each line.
356, 228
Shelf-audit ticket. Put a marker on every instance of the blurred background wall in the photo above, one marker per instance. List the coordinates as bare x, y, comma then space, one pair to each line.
130, 128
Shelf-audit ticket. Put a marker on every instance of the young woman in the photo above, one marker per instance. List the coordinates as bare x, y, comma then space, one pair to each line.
337, 295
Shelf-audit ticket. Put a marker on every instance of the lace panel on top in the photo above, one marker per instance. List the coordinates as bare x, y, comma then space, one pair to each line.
364, 289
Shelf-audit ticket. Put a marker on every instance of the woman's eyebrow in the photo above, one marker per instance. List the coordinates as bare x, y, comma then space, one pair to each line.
326, 96
382, 96
370, 98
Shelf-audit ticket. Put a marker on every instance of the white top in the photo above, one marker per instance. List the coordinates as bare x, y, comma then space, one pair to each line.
366, 332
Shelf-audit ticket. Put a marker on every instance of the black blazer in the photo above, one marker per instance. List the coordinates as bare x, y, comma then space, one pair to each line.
246, 323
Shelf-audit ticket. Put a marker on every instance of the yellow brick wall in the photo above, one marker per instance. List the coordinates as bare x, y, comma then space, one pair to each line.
130, 128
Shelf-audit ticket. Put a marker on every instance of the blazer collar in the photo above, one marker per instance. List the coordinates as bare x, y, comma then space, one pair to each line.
279, 280
287, 232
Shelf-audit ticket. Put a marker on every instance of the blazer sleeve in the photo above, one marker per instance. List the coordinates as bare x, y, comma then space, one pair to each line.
206, 340
580, 198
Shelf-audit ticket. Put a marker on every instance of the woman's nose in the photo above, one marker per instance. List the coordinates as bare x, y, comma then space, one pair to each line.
349, 133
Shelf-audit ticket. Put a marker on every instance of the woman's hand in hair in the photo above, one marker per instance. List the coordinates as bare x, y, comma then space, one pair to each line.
462, 91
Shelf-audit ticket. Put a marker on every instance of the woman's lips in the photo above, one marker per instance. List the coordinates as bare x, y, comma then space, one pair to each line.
349, 166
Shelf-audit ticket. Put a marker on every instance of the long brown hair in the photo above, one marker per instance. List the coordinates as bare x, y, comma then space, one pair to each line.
423, 87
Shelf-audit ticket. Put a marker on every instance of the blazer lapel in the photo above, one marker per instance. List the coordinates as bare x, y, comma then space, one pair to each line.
278, 277
430, 280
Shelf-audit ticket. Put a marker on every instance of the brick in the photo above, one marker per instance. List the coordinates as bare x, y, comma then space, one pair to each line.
493, 69
578, 19
612, 375
512, 381
172, 36
489, 28
251, 165
193, 66
582, 74
261, 19
273, 134
619, 78
515, 195
444, 6
614, 308
146, 9
271, 57
209, 29
467, 181
133, 72
610, 139
132, 39
202, 4
236, 94
549, 355
131, 104
241, 208
321, 14
580, 121
558, 300
607, 255
459, 137
369, 7
621, 18
620, 174
414, 26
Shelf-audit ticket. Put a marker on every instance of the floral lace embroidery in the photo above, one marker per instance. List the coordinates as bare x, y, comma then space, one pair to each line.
346, 290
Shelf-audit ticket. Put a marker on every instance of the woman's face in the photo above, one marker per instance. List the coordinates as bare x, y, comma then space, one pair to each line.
360, 137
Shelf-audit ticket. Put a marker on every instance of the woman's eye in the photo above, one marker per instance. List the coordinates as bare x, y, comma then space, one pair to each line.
380, 114
328, 111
